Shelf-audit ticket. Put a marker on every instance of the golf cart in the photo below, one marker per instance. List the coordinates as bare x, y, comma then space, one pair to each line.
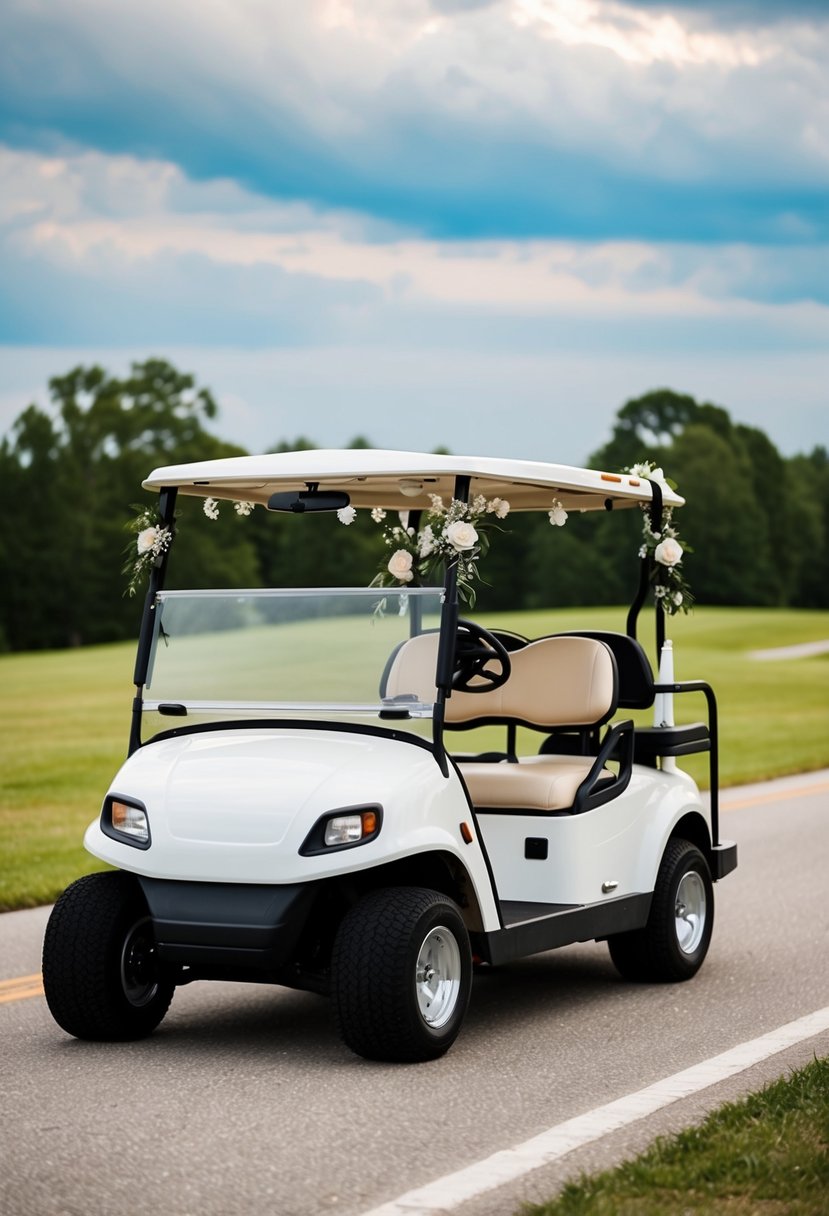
290, 811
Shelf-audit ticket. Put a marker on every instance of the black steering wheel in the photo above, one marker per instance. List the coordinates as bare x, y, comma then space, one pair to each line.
475, 649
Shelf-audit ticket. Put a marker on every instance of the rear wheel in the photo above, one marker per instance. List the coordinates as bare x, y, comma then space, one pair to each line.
675, 941
401, 975
101, 974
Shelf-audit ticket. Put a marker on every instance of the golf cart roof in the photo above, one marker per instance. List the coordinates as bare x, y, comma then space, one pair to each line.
404, 480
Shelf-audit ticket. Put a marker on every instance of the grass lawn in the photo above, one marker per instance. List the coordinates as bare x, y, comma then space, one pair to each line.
64, 724
766, 1154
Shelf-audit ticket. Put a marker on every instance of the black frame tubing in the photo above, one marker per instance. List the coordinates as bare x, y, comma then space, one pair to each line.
713, 754
447, 642
655, 510
166, 510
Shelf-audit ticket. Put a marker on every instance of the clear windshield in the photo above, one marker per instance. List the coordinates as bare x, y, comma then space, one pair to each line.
320, 652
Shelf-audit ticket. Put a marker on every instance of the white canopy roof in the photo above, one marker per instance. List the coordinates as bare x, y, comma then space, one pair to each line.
402, 481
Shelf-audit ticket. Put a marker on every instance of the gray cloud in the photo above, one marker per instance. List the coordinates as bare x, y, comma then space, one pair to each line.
484, 127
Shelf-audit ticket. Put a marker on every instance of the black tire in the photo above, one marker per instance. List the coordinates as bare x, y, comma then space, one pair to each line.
675, 941
100, 972
384, 1009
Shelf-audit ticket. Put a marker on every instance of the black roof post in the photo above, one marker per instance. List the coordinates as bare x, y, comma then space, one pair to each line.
655, 512
166, 509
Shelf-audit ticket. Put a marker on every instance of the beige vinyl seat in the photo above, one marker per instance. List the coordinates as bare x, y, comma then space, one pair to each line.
555, 683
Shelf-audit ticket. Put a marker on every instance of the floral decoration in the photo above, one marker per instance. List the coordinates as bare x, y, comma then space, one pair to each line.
152, 541
665, 549
211, 508
557, 515
457, 533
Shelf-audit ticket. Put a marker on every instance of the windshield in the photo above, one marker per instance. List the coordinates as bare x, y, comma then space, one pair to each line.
318, 652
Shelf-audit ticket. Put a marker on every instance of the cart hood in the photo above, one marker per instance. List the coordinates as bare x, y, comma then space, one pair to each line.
244, 787
237, 805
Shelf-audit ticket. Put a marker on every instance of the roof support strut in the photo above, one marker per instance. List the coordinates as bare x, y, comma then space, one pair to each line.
166, 510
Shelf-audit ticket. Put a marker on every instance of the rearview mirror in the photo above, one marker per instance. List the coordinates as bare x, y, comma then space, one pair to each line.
299, 501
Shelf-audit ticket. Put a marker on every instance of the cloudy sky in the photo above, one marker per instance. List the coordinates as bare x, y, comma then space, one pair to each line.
483, 223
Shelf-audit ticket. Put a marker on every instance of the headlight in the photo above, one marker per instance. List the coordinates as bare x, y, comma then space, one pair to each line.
343, 829
348, 829
126, 821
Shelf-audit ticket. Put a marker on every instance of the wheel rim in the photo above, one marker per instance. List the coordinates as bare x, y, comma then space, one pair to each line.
691, 908
139, 967
438, 976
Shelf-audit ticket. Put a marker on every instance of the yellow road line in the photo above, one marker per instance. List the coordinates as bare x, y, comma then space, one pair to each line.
20, 988
780, 796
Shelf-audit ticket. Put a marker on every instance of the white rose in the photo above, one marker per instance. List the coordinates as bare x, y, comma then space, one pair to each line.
346, 515
677, 598
668, 552
558, 516
400, 566
461, 535
147, 540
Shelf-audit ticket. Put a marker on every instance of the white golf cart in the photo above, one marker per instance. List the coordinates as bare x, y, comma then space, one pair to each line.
290, 811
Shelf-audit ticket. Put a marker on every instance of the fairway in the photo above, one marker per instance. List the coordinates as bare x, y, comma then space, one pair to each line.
65, 715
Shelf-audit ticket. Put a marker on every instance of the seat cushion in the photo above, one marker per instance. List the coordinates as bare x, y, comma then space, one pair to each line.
534, 783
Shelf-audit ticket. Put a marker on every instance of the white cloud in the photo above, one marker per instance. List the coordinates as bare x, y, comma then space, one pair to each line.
119, 217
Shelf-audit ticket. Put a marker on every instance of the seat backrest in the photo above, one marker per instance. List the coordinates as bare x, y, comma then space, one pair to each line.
635, 673
555, 682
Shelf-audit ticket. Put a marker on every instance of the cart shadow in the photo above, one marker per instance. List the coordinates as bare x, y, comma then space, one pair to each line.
256, 1019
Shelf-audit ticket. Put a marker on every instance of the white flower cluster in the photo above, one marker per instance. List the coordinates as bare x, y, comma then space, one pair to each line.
211, 508
557, 515
455, 533
647, 472
152, 540
665, 549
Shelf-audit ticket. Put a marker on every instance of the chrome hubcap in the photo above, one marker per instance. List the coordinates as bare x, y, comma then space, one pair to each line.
690, 911
438, 977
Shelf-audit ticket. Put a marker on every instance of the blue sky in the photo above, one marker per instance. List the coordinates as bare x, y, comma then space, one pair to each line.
484, 223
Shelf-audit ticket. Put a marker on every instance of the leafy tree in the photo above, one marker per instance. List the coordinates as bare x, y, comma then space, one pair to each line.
72, 473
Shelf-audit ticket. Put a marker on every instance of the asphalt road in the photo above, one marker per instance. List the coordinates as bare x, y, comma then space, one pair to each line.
245, 1102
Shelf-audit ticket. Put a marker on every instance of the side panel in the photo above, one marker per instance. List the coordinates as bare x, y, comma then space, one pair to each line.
602, 854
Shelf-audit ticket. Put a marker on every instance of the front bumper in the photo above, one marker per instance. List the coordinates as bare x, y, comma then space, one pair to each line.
251, 927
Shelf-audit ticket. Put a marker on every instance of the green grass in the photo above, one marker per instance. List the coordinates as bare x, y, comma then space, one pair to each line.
64, 725
765, 1155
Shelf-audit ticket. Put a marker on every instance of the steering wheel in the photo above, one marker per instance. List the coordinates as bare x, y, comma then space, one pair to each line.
475, 648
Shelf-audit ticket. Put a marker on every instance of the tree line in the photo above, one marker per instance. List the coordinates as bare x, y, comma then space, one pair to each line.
70, 478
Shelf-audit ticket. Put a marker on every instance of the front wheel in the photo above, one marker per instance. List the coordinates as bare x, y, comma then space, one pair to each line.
401, 975
675, 941
101, 975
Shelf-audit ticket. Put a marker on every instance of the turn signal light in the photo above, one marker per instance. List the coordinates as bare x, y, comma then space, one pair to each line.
130, 820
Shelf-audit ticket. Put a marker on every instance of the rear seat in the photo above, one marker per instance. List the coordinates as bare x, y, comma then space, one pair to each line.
555, 683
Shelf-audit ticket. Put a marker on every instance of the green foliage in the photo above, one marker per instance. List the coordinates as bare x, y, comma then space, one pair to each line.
758, 524
68, 476
767, 1153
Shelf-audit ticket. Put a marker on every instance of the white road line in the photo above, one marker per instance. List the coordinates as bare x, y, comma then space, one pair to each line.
447, 1193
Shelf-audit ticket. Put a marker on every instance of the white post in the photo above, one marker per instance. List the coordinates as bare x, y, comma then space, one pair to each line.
664, 703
